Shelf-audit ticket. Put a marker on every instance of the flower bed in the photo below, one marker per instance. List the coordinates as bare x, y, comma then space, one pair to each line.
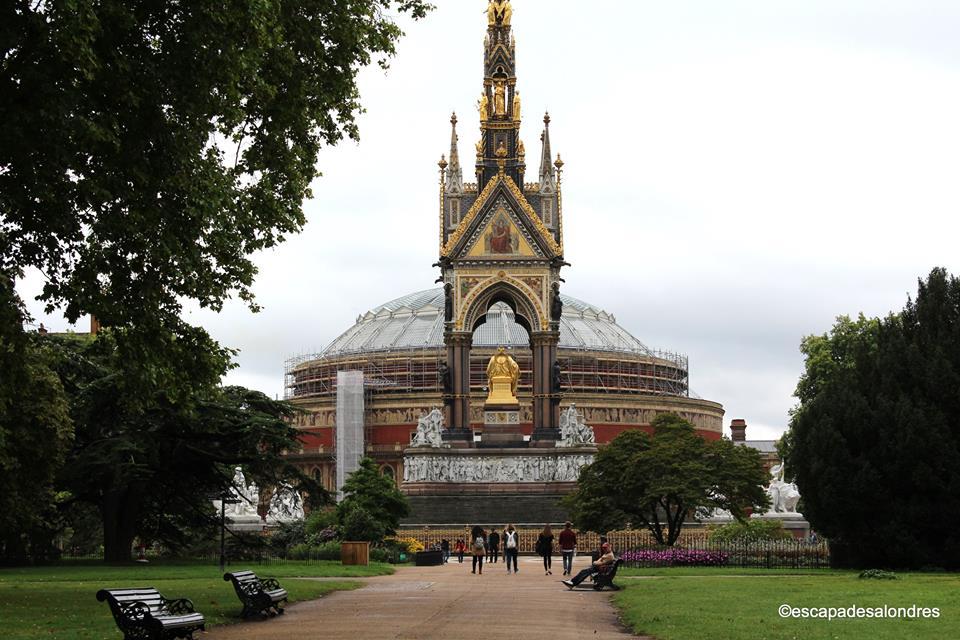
674, 558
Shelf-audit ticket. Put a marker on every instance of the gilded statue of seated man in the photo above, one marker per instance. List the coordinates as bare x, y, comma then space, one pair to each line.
503, 374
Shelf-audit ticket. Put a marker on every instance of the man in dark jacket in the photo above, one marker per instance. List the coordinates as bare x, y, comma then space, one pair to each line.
493, 545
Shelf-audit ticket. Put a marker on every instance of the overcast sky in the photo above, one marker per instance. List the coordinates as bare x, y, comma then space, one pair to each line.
737, 175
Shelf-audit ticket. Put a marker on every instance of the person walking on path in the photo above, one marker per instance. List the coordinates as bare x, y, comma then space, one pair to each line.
479, 537
545, 548
445, 549
511, 544
460, 547
568, 547
606, 559
493, 546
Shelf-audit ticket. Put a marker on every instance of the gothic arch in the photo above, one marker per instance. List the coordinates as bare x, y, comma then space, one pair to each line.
526, 307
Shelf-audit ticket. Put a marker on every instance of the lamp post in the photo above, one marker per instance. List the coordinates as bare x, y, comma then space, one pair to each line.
225, 499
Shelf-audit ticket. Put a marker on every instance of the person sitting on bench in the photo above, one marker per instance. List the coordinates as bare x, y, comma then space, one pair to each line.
605, 560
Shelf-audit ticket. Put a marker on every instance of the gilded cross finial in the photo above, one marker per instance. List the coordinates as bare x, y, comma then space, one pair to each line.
443, 162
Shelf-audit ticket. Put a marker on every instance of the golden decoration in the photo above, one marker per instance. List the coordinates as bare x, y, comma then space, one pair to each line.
483, 107
545, 235
499, 99
499, 11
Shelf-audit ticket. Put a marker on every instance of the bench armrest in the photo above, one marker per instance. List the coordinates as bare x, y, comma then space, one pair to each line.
269, 583
135, 611
180, 606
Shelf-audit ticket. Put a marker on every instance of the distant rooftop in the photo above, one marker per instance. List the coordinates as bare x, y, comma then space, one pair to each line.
763, 446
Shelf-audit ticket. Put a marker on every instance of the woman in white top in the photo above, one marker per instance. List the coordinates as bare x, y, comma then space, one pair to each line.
511, 546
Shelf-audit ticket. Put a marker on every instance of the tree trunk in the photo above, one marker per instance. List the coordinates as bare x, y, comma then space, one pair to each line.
120, 510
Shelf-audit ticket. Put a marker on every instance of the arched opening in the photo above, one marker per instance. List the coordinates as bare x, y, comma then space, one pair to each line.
387, 471
500, 327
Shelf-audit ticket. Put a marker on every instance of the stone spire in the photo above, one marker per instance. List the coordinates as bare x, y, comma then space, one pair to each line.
548, 181
454, 183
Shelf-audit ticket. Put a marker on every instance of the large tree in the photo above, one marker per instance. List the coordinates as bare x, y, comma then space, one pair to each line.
875, 439
149, 148
660, 482
150, 460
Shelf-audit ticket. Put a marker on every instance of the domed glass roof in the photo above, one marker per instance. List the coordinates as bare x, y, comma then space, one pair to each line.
415, 321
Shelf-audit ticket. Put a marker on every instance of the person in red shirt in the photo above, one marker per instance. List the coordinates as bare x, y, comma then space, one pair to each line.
460, 547
568, 547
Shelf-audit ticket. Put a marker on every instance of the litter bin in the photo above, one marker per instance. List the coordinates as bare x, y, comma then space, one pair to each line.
355, 553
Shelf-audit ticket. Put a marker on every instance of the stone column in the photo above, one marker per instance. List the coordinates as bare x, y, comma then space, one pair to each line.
545, 420
458, 360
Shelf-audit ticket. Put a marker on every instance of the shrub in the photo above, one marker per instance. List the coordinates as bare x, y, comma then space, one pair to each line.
359, 524
406, 544
319, 521
287, 535
878, 574
326, 551
752, 530
381, 554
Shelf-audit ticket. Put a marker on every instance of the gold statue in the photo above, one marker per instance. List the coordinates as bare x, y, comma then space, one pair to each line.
503, 374
499, 100
520, 150
499, 10
483, 107
479, 147
516, 105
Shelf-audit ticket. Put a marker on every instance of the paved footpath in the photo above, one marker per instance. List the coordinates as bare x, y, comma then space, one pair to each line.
447, 602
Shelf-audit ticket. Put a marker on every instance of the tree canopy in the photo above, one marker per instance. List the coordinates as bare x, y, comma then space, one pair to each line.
151, 461
659, 482
148, 149
875, 439
372, 506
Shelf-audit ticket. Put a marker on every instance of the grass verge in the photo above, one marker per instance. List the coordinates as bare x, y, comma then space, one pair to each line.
702, 604
59, 601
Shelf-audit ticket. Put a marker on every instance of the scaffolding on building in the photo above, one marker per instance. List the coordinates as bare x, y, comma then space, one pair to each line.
647, 372
350, 425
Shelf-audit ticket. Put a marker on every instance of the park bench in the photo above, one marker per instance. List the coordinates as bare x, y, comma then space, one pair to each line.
144, 614
258, 596
604, 577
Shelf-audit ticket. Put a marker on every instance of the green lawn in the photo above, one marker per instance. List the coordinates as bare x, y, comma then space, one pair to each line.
709, 603
59, 602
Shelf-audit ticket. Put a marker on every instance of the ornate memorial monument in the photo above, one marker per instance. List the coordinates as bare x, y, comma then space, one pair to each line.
507, 248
